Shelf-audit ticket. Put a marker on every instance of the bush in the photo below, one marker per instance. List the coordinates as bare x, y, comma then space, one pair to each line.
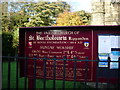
7, 44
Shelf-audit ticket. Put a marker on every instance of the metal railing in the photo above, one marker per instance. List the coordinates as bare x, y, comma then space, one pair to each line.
26, 86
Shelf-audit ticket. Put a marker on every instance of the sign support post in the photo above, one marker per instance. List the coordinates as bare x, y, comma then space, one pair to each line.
30, 83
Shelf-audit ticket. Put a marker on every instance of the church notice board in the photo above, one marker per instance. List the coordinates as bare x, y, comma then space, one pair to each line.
69, 41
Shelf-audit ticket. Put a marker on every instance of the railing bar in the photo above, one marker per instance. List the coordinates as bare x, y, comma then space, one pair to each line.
64, 71
44, 81
108, 78
25, 74
97, 74
34, 78
75, 73
9, 69
49, 59
54, 74
119, 74
86, 72
16, 71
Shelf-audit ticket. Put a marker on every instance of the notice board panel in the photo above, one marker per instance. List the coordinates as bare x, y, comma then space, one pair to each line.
60, 41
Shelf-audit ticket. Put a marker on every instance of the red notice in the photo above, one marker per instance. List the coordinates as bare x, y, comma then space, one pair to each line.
60, 43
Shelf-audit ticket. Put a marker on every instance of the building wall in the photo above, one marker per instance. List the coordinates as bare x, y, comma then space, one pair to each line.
105, 12
98, 13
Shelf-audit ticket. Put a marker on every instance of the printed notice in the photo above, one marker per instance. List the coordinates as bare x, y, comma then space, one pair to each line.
104, 44
59, 43
103, 64
115, 41
114, 65
118, 41
115, 55
103, 56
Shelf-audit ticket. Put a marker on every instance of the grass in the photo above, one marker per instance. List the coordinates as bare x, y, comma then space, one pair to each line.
39, 82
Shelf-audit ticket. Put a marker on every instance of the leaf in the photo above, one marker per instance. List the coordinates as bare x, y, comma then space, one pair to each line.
73, 18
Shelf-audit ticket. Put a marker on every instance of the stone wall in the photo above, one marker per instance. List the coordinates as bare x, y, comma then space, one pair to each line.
105, 12
98, 13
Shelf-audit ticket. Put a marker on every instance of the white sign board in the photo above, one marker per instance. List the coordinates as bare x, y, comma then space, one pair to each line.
115, 41
104, 44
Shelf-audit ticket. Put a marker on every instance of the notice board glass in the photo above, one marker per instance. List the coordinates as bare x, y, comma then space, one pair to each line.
109, 46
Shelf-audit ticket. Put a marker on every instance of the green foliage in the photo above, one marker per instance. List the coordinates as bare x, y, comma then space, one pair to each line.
24, 14
45, 13
14, 16
73, 18
15, 20
85, 17
7, 42
31, 14
16, 38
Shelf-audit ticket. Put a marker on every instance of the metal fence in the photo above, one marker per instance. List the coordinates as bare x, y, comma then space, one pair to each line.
95, 85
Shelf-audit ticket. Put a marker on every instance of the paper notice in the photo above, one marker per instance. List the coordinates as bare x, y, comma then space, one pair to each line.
104, 44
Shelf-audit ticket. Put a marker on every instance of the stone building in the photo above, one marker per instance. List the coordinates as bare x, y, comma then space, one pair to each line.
105, 12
